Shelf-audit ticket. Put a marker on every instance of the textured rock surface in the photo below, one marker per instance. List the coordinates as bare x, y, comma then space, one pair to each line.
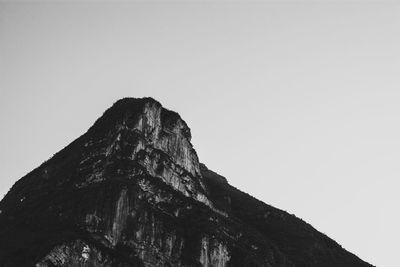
131, 192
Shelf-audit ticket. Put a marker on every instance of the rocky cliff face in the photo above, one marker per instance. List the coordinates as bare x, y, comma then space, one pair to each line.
131, 192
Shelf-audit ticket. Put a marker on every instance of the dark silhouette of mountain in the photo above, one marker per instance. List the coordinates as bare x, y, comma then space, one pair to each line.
131, 192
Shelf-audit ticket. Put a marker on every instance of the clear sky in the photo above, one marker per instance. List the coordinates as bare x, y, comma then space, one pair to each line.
297, 103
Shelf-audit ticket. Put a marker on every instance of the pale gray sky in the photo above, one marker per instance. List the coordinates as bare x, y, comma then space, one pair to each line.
297, 104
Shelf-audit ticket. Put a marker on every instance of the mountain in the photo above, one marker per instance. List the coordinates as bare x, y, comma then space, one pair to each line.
132, 192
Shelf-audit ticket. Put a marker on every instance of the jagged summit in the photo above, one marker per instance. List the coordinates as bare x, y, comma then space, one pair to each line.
131, 192
130, 107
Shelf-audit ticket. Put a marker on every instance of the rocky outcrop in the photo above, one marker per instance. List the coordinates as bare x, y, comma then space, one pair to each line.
131, 192
154, 141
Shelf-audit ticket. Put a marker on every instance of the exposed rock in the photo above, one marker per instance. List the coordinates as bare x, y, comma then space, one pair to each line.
78, 253
131, 192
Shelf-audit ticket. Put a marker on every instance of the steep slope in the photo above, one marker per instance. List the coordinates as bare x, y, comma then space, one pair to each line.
299, 241
131, 192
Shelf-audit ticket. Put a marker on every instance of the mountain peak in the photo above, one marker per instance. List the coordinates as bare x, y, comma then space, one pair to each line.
131, 192
155, 139
129, 108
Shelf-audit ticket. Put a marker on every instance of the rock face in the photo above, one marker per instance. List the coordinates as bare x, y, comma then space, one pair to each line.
131, 192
